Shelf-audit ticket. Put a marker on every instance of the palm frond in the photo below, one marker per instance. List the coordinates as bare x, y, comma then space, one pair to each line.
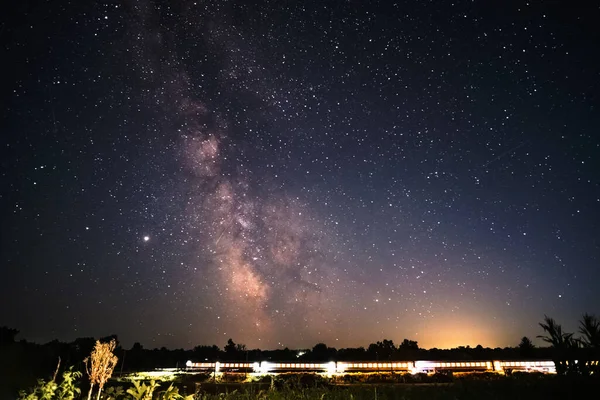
589, 327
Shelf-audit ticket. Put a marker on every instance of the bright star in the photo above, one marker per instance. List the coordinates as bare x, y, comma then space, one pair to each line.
146, 238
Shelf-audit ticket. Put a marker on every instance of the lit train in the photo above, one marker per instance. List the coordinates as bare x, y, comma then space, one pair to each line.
341, 367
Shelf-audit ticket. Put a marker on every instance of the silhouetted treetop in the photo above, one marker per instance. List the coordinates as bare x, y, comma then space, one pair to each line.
7, 335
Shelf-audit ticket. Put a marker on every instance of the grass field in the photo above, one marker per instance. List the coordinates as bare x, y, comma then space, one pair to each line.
464, 390
464, 386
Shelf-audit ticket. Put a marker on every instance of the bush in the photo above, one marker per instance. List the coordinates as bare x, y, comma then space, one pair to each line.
65, 390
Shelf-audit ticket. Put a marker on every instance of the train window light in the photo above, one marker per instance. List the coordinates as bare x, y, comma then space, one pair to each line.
332, 367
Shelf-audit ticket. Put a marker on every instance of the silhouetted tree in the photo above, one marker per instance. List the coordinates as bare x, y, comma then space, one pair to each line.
409, 345
555, 335
230, 347
136, 357
320, 352
526, 347
384, 350
562, 344
279, 355
589, 327
203, 353
408, 350
234, 351
7, 335
240, 348
352, 354
82, 347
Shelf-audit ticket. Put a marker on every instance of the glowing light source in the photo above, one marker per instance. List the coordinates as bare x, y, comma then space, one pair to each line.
265, 367
331, 369
422, 366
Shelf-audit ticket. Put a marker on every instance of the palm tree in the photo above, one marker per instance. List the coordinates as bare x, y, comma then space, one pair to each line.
562, 343
556, 337
589, 327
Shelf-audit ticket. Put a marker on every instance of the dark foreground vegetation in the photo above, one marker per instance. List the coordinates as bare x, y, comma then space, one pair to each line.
529, 386
93, 362
468, 387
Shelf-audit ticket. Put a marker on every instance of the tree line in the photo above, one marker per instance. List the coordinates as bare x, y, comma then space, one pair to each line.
136, 358
24, 361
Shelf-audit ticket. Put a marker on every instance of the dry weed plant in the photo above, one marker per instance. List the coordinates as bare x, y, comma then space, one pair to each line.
100, 365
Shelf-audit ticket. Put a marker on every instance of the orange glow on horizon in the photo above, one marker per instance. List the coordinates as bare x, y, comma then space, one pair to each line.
455, 331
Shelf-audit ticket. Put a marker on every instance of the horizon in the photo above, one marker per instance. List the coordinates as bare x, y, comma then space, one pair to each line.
536, 341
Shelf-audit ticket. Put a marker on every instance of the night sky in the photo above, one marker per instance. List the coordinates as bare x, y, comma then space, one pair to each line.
285, 173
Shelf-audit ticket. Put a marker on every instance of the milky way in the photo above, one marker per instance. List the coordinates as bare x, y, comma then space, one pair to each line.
268, 259
288, 173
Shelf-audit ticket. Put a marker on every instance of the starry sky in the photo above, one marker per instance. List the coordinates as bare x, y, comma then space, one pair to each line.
285, 173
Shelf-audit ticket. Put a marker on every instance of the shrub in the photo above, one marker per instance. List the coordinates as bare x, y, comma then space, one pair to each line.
65, 390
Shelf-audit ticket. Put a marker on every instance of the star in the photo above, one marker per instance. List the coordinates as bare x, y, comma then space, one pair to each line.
294, 186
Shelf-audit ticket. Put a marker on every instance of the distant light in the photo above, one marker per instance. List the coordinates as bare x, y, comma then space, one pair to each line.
146, 238
188, 363
265, 367
422, 366
331, 368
